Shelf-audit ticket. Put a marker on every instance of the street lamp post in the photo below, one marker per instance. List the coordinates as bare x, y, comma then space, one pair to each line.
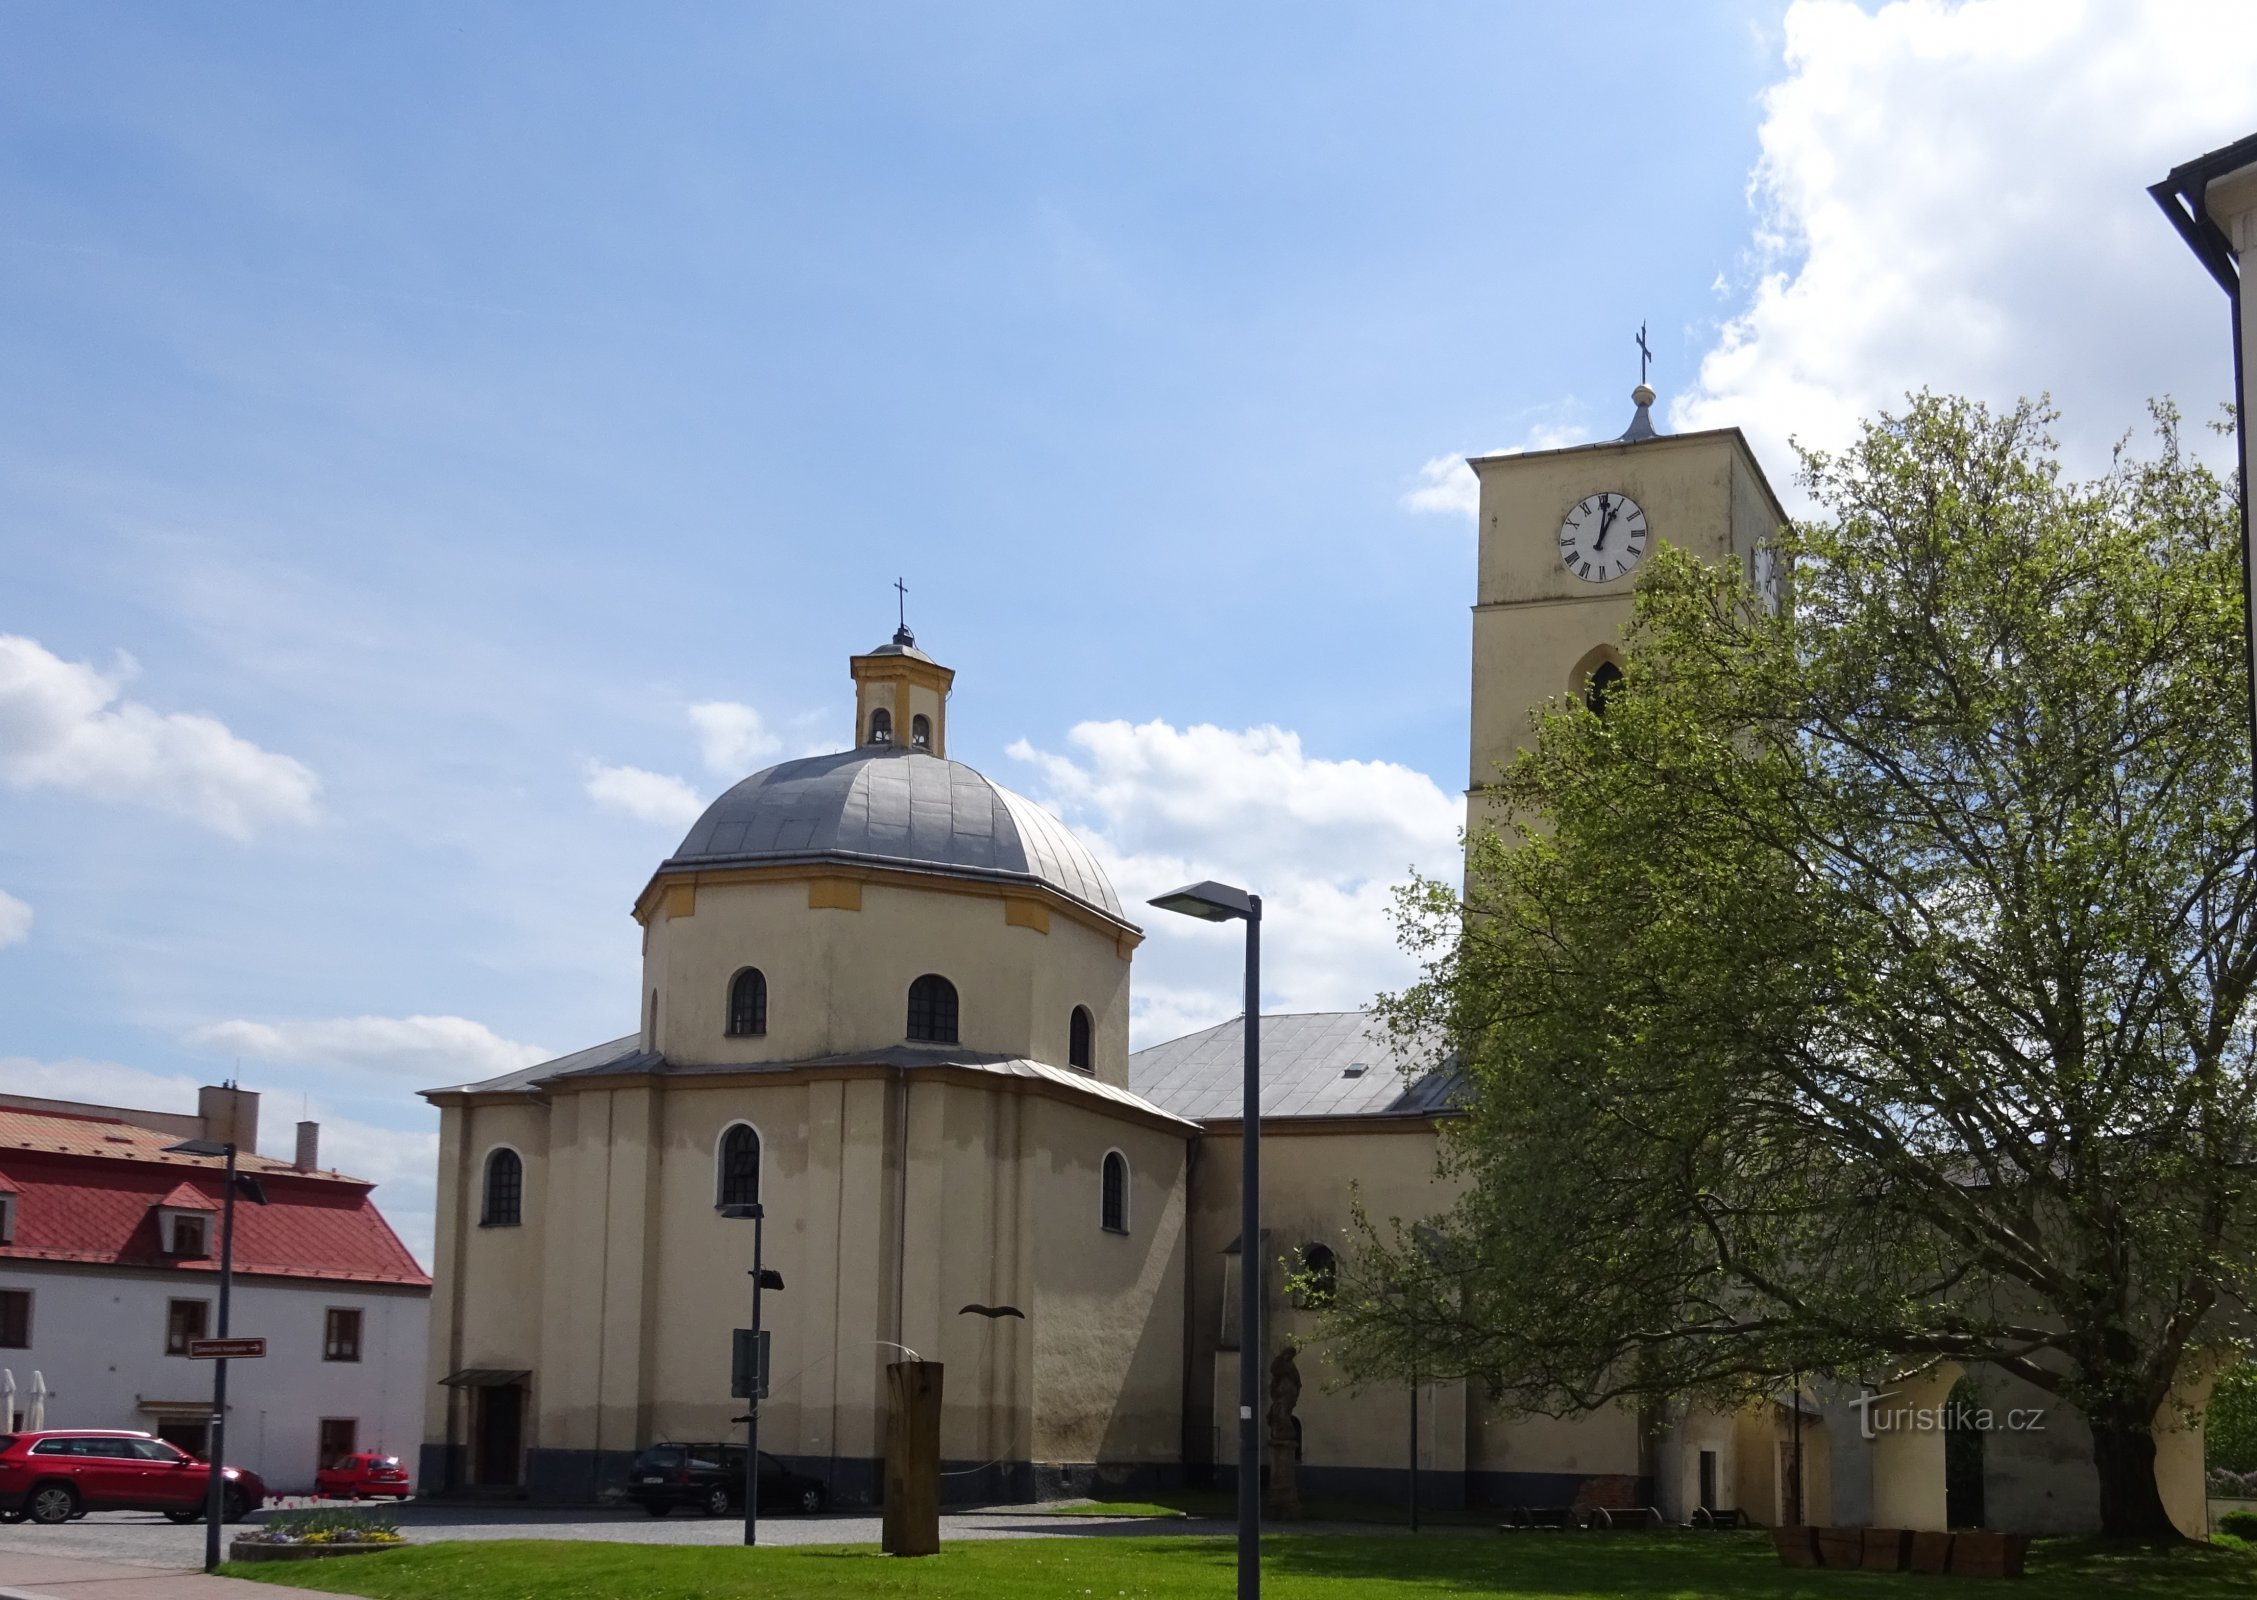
215, 1490
1219, 902
762, 1278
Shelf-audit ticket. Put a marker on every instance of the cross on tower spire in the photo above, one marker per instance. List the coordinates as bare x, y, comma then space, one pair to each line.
901, 634
1645, 352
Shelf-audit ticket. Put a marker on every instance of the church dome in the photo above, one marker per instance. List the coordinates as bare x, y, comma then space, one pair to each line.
886, 805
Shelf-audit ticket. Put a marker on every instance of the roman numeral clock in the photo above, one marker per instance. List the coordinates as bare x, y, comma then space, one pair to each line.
1564, 534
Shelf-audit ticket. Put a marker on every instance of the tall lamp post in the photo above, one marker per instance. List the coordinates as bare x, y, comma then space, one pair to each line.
216, 1457
1219, 902
762, 1278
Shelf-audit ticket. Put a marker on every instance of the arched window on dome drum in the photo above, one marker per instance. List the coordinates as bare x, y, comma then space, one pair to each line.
1115, 1215
748, 1003
881, 726
1078, 1041
737, 1182
1604, 683
932, 1009
505, 1190
920, 732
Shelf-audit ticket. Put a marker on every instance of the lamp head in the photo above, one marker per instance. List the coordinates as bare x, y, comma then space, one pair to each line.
743, 1211
198, 1147
1210, 902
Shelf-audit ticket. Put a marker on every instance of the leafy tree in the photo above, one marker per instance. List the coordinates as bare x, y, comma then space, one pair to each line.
2229, 1435
1866, 983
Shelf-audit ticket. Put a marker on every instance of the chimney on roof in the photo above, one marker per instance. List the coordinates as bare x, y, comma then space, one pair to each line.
231, 1115
309, 1146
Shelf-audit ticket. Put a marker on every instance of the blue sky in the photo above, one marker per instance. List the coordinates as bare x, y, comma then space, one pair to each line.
414, 415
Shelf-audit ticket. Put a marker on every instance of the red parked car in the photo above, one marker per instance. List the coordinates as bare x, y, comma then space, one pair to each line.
64, 1473
366, 1474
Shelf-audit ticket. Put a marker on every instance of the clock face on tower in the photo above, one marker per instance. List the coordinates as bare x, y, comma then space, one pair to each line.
1602, 537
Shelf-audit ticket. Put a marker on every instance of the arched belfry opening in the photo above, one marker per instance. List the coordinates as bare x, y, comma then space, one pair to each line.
1596, 677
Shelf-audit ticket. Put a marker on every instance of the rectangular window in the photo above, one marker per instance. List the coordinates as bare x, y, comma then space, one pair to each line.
339, 1437
7, 1219
185, 1320
188, 1236
15, 1319
340, 1340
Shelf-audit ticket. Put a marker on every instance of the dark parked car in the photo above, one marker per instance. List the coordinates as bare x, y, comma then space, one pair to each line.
60, 1474
711, 1477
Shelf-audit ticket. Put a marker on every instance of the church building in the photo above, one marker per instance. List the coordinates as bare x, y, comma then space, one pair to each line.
887, 1000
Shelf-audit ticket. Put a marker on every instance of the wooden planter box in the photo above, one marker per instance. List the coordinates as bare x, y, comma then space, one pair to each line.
1841, 1548
259, 1550
1885, 1549
1931, 1552
1797, 1547
1989, 1555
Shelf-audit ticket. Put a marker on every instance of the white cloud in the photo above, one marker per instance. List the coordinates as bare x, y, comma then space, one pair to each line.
424, 1052
1447, 486
651, 796
15, 920
1952, 196
1323, 842
732, 737
63, 726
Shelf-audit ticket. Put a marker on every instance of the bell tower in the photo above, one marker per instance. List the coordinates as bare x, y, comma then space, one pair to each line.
901, 696
1564, 535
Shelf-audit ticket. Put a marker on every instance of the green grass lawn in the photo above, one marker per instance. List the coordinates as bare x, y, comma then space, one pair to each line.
1307, 1566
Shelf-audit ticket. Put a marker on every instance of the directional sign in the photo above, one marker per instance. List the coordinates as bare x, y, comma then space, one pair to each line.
742, 1365
226, 1349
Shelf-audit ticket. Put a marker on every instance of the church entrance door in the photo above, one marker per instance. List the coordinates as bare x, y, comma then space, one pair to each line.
497, 1445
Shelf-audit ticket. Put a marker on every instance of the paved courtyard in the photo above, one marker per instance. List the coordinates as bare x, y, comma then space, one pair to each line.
150, 1540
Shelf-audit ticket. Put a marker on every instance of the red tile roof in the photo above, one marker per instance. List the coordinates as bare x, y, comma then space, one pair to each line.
186, 1197
87, 1190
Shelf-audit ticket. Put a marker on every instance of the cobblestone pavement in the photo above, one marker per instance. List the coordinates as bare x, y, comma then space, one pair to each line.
149, 1540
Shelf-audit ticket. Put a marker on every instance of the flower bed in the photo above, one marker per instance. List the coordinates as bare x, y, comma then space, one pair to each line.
313, 1534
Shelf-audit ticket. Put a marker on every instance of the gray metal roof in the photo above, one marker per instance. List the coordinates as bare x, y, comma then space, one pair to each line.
527, 1080
893, 806
627, 1055
1306, 1070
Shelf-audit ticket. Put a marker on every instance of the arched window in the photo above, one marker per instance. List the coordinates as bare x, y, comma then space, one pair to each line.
737, 1178
1320, 1275
920, 732
748, 1003
881, 726
1603, 683
505, 1190
1077, 1040
1114, 1214
932, 1009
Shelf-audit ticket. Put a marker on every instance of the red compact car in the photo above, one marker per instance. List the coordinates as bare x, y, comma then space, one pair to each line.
362, 1475
60, 1474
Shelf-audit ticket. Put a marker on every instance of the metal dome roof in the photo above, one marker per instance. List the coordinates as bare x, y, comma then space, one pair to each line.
892, 806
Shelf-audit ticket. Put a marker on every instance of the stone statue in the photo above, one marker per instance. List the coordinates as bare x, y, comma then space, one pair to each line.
1283, 1499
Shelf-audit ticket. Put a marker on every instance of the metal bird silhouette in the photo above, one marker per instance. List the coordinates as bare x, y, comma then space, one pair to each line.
992, 1312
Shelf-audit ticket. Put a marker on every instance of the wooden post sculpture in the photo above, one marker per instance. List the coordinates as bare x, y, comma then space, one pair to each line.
1283, 1433
912, 1487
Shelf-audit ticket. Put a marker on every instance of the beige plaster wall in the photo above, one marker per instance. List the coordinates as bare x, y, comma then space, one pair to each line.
485, 1282
838, 979
893, 1200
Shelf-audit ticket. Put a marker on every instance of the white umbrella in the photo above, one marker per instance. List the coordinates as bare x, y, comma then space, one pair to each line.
38, 1418
7, 1400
